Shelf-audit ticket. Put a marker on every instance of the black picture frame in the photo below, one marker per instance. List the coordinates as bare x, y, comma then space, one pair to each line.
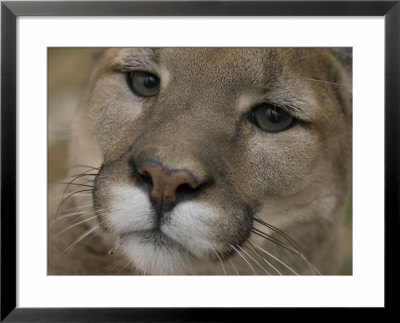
10, 11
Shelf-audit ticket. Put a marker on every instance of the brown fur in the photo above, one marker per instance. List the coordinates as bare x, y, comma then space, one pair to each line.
297, 180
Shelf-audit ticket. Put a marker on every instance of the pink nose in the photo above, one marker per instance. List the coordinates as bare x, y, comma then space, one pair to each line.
165, 184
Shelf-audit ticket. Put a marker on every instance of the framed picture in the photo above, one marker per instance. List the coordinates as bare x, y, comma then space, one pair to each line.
348, 53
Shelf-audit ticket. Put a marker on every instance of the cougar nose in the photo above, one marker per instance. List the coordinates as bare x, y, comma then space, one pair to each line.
165, 184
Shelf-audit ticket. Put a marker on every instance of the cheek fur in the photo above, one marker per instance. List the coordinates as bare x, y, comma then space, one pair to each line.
282, 163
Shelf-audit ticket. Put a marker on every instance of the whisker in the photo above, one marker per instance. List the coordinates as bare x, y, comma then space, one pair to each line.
72, 194
220, 261
271, 227
310, 265
244, 259
296, 252
87, 241
78, 216
84, 166
254, 260
273, 267
82, 194
77, 184
80, 207
54, 198
322, 81
110, 61
86, 173
75, 224
81, 214
274, 240
75, 177
76, 213
278, 260
114, 265
234, 267
306, 56
80, 238
128, 263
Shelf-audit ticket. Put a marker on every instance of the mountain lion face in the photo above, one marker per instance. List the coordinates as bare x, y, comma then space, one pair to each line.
218, 158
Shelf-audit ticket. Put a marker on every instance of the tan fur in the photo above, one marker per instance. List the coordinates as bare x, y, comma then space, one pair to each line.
297, 180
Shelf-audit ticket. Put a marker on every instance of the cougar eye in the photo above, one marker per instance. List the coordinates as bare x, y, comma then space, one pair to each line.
270, 118
143, 83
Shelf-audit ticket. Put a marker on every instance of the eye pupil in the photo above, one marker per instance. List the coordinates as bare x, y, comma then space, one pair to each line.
273, 115
149, 81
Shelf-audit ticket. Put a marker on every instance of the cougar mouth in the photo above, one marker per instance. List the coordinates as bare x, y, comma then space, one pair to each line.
154, 252
156, 238
193, 232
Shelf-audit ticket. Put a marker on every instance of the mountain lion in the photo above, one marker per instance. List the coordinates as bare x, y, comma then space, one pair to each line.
209, 161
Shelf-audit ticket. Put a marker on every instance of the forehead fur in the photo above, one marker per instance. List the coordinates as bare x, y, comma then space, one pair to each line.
286, 76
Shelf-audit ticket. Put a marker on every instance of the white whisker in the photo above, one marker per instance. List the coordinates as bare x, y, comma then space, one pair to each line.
306, 56
244, 259
83, 236
114, 265
78, 215
128, 263
80, 207
220, 261
104, 64
322, 81
266, 261
255, 261
311, 266
278, 260
234, 267
75, 224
